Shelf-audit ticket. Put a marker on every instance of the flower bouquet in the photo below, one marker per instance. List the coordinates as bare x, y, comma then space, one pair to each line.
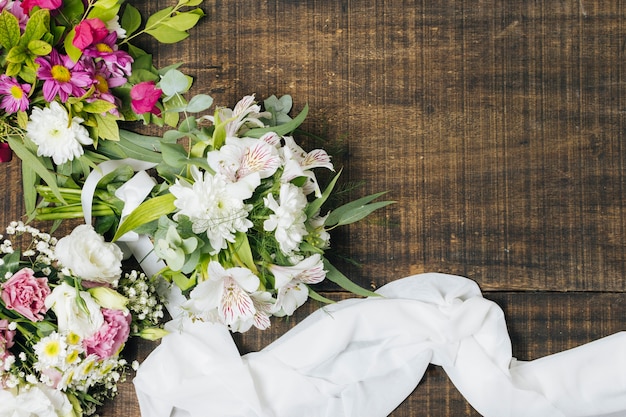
70, 73
236, 215
66, 312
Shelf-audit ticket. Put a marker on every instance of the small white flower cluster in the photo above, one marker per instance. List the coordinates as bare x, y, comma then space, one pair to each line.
41, 246
143, 301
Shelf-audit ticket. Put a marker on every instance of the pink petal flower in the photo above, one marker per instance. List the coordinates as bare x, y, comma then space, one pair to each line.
27, 5
26, 294
144, 97
110, 338
89, 32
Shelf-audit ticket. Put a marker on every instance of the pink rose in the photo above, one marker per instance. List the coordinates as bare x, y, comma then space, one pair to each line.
144, 97
26, 294
6, 339
27, 5
89, 32
110, 338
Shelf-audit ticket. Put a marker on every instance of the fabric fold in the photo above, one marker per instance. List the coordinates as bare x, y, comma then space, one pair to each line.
365, 356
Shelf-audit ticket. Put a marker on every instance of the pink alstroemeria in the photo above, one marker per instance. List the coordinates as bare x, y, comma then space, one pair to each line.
144, 97
14, 95
62, 76
89, 32
27, 5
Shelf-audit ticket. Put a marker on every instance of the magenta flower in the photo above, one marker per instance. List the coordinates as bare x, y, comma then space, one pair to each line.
89, 32
62, 76
26, 294
144, 96
104, 80
27, 5
110, 338
14, 96
118, 62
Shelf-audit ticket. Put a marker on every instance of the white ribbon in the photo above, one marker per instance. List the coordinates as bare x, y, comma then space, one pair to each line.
363, 357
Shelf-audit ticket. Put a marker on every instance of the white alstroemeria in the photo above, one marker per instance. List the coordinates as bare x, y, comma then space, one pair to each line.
240, 157
226, 292
83, 320
264, 305
290, 297
299, 163
308, 271
288, 219
245, 113
56, 135
215, 205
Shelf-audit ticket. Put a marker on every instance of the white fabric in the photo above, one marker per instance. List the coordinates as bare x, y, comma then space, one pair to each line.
363, 357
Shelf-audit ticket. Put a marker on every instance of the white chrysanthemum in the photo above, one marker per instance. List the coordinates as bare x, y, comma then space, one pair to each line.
50, 129
214, 206
37, 400
288, 218
50, 350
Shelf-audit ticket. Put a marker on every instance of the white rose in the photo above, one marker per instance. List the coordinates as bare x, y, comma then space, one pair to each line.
88, 256
82, 320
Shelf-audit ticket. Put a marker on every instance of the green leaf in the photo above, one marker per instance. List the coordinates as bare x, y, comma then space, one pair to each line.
174, 82
244, 252
190, 3
37, 26
184, 21
166, 34
107, 127
17, 55
39, 48
361, 212
73, 9
9, 30
35, 163
125, 148
199, 103
334, 275
157, 18
147, 211
318, 297
174, 155
345, 210
29, 179
283, 129
131, 19
98, 106
73, 52
315, 205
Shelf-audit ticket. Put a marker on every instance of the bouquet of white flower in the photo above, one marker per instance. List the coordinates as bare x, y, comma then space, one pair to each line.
236, 214
66, 312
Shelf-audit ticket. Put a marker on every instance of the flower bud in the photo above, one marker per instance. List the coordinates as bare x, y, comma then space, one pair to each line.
108, 298
153, 333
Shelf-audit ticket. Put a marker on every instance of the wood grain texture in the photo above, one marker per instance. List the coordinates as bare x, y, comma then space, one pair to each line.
497, 125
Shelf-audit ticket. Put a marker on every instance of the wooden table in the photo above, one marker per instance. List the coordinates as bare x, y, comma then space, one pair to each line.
497, 126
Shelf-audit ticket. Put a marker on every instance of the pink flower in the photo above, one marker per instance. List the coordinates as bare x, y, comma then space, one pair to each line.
14, 95
144, 97
89, 32
110, 338
118, 62
62, 76
6, 339
28, 5
26, 294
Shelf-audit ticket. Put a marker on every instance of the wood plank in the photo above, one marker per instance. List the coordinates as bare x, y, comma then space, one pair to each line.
539, 324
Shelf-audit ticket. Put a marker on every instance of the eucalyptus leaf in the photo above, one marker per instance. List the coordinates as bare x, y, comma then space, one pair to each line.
174, 82
283, 129
199, 103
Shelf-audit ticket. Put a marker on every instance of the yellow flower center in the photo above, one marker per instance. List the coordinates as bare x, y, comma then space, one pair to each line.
73, 338
101, 84
16, 92
61, 74
103, 47
52, 349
